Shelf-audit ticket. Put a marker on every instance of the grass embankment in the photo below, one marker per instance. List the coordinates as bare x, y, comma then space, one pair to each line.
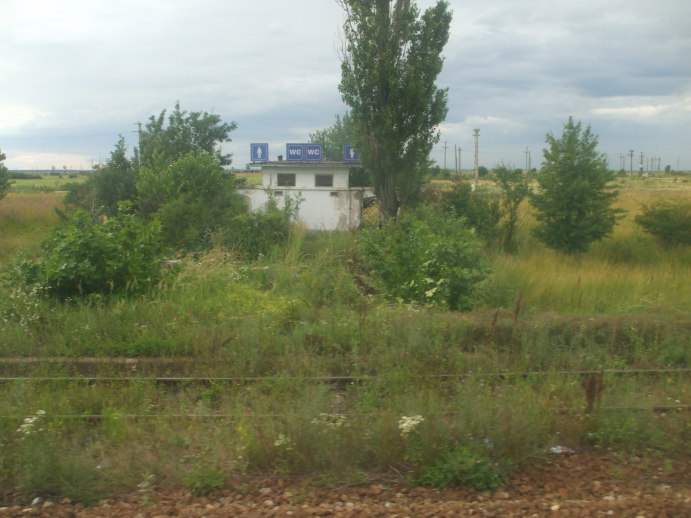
495, 388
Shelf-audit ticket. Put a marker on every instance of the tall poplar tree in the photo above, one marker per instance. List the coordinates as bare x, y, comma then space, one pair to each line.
391, 60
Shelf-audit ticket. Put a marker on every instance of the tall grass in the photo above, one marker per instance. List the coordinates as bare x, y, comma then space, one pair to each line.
489, 385
25, 219
626, 272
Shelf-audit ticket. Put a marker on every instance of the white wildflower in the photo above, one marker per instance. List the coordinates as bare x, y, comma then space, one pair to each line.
283, 442
330, 421
31, 424
408, 424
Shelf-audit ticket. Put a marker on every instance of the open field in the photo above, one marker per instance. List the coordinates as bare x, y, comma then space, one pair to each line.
45, 183
283, 367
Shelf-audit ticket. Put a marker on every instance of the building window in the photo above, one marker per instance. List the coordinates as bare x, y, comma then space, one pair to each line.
323, 180
285, 179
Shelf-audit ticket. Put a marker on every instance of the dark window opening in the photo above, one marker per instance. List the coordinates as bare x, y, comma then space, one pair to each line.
285, 179
324, 180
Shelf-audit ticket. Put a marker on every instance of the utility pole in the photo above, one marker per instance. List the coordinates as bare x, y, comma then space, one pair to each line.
631, 162
640, 165
530, 161
455, 159
476, 134
527, 153
445, 148
460, 169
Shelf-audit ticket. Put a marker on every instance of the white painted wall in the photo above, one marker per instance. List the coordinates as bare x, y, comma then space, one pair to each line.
322, 208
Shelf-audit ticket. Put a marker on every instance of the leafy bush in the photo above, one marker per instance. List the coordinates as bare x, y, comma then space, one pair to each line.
4, 177
667, 220
253, 234
481, 209
514, 188
426, 257
121, 254
462, 467
192, 197
204, 480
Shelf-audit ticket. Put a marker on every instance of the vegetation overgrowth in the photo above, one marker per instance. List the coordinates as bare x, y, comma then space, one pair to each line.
442, 396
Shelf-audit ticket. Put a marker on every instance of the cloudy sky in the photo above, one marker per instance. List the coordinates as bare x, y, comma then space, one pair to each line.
76, 74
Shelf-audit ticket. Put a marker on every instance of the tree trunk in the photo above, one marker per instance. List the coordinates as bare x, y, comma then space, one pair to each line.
388, 198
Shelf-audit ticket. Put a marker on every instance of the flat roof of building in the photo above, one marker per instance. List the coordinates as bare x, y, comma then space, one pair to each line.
311, 165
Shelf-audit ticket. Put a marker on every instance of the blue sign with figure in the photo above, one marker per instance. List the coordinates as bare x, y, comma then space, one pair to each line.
295, 152
259, 152
313, 152
349, 154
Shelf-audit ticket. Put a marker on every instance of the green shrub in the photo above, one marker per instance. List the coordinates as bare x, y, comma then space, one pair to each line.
192, 197
427, 258
480, 208
254, 234
119, 255
4, 177
462, 467
204, 480
668, 220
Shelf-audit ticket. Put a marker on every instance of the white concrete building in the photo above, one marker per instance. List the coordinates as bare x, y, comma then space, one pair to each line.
327, 202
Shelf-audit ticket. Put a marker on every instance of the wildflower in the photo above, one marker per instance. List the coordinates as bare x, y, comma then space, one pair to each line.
30, 424
329, 421
283, 442
407, 425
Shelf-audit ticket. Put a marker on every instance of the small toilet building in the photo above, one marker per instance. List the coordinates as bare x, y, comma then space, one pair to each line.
326, 200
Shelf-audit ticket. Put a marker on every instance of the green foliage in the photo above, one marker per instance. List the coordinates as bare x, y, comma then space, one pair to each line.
668, 220
116, 181
161, 144
427, 258
253, 234
4, 177
335, 137
107, 187
204, 480
49, 473
391, 62
116, 255
359, 177
514, 189
196, 174
81, 196
192, 197
462, 466
481, 209
574, 201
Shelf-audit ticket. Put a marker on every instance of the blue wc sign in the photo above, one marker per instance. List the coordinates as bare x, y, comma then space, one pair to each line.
304, 152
